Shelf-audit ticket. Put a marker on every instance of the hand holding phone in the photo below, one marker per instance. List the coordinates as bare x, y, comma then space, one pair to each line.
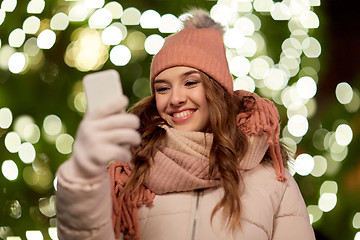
107, 134
101, 88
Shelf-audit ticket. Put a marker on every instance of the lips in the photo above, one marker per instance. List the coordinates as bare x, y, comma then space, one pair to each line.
182, 115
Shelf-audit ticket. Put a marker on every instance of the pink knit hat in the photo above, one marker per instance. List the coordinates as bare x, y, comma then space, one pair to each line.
198, 47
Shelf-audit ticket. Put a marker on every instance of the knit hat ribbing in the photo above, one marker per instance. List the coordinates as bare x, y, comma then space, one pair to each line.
200, 48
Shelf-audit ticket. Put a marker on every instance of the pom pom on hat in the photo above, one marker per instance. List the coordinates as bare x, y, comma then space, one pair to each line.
198, 18
198, 45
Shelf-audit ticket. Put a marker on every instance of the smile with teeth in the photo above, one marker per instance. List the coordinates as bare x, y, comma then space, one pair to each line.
182, 114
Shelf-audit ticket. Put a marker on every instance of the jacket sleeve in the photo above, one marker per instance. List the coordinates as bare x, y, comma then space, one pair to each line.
83, 205
292, 219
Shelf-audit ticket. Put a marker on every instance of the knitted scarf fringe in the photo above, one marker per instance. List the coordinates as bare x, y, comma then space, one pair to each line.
126, 203
263, 117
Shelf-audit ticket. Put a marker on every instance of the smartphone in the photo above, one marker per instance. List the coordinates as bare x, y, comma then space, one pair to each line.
101, 88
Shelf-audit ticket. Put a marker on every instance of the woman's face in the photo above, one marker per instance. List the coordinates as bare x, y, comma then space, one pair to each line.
180, 99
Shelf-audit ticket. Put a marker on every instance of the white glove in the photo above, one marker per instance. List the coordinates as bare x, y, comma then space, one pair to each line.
104, 135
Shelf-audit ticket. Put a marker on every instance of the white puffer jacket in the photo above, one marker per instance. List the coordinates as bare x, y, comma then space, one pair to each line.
270, 210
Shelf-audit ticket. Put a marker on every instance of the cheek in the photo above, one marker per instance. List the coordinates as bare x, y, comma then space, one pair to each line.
160, 104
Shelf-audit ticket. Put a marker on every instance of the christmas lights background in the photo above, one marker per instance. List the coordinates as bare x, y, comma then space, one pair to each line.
302, 54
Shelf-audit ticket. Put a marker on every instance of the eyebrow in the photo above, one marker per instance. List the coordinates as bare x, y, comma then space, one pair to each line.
183, 75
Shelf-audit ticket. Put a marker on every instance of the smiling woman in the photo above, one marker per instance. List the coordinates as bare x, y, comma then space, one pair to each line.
205, 162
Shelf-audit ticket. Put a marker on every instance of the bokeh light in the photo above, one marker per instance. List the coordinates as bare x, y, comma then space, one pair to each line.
320, 166
52, 125
259, 67
9, 169
17, 62
150, 19
6, 118
87, 51
31, 25
357, 236
344, 93
298, 125
111, 35
64, 143
276, 79
12, 142
59, 21
239, 66
311, 47
356, 220
2, 16
309, 19
233, 38
101, 18
120, 55
35, 6
244, 83
115, 8
306, 87
327, 202
304, 164
34, 235
8, 5
53, 233
27, 152
16, 37
78, 13
263, 5
343, 134
279, 11
31, 133
169, 24
245, 25
131, 16
153, 44
315, 213
46, 39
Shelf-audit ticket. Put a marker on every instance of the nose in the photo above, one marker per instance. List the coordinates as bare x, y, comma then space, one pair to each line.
178, 97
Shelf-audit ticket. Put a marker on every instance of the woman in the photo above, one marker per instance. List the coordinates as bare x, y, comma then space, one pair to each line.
206, 162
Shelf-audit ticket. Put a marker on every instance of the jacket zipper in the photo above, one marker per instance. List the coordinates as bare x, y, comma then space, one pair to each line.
196, 214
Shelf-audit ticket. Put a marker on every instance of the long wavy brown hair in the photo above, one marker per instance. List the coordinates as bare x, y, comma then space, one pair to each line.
228, 147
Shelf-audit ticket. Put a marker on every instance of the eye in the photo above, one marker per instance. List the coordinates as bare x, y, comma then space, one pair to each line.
191, 83
161, 89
